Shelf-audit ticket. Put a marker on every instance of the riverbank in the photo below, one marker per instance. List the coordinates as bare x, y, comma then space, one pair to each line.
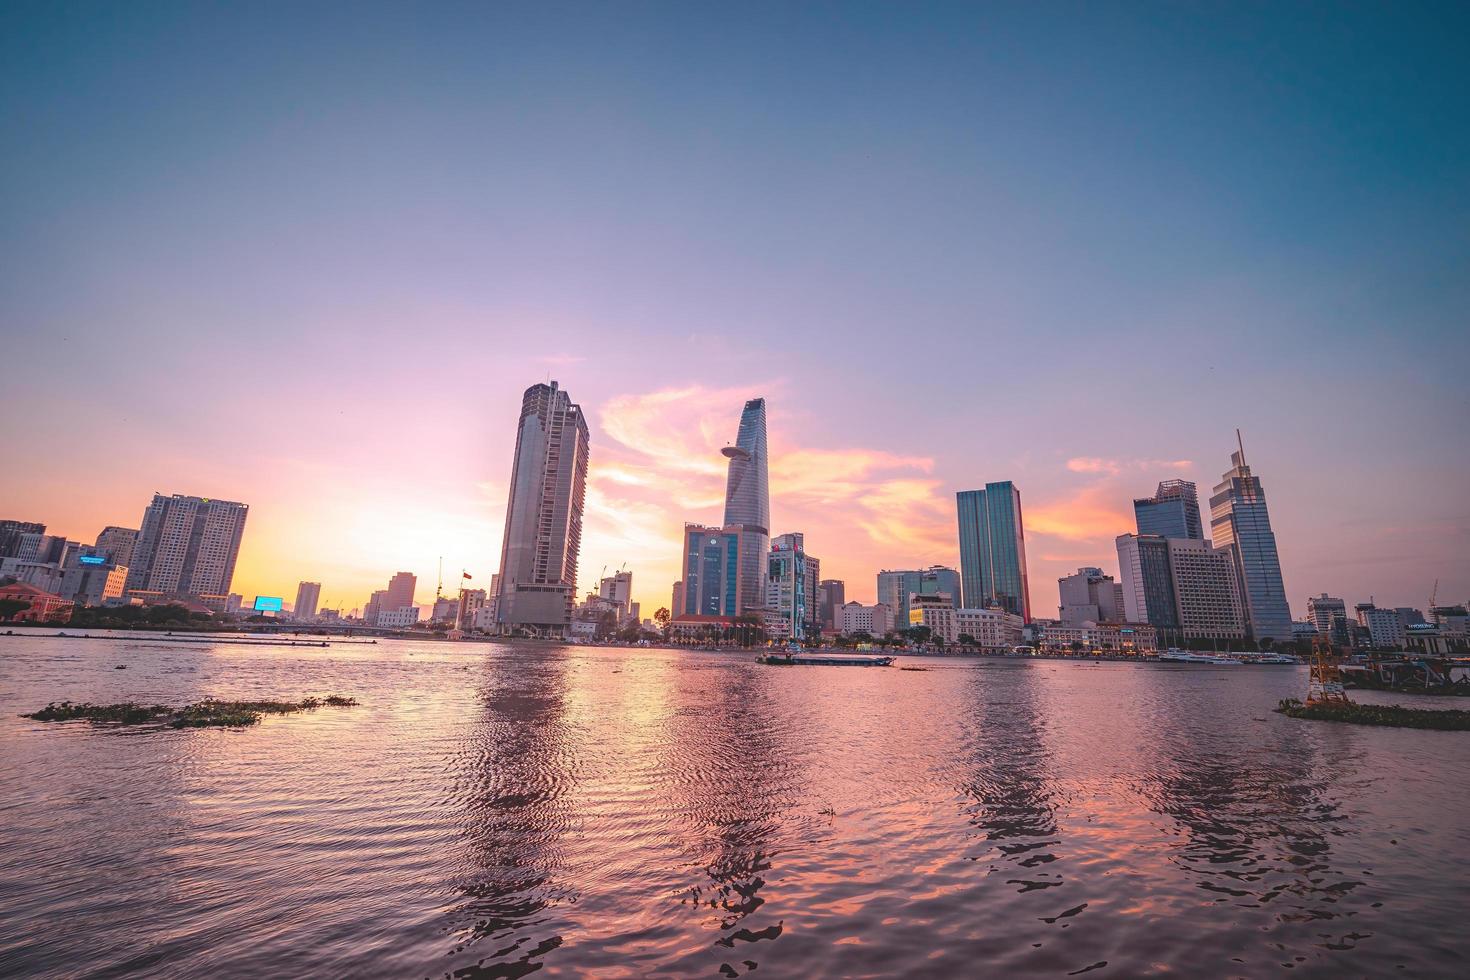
1387, 715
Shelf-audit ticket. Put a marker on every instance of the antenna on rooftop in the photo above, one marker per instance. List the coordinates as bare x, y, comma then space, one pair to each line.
1241, 443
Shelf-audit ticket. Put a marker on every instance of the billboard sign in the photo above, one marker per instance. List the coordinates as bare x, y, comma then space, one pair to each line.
92, 560
268, 603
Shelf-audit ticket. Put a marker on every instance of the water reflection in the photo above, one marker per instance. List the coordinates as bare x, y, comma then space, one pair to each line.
511, 778
734, 780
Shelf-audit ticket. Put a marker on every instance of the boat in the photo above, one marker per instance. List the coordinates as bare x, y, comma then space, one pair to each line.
794, 659
1174, 655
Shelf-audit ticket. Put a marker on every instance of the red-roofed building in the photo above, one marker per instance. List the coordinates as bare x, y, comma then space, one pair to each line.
44, 607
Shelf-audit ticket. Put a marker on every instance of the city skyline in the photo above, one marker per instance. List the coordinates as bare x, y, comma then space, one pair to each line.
318, 281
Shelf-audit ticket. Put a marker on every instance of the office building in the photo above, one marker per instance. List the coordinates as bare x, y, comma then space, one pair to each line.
1183, 587
991, 629
791, 587
116, 544
831, 596
748, 500
854, 617
1089, 596
446, 610
895, 587
543, 518
676, 603
90, 578
1385, 627
714, 570
1239, 520
1328, 615
1172, 512
308, 597
993, 549
937, 612
10, 535
187, 546
400, 618
1206, 591
618, 588
471, 601
44, 575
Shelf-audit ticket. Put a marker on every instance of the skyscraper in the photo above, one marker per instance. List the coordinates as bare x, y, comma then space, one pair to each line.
617, 588
1239, 520
11, 533
792, 577
993, 549
748, 500
543, 518
1172, 512
1184, 587
308, 595
187, 546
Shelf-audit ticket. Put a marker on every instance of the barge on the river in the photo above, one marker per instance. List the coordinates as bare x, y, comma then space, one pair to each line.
824, 660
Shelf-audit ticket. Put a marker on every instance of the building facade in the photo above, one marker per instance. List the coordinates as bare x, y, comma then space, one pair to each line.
1172, 512
713, 569
748, 500
1183, 587
187, 546
1089, 596
10, 535
831, 596
543, 518
992, 629
791, 587
875, 620
1239, 520
937, 612
117, 544
308, 597
895, 588
1328, 614
993, 549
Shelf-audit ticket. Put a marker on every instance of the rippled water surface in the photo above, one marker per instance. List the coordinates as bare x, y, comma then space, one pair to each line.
490, 811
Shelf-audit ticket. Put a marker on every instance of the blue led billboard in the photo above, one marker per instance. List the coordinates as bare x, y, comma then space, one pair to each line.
268, 603
92, 560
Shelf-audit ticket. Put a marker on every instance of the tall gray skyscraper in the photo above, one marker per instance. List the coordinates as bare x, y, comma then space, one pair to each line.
1238, 520
543, 518
993, 549
831, 596
308, 595
1172, 512
748, 501
187, 546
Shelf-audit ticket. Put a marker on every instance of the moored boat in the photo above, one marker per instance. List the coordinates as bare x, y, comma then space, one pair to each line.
792, 659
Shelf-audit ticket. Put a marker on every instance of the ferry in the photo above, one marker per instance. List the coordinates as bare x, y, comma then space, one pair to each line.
1174, 655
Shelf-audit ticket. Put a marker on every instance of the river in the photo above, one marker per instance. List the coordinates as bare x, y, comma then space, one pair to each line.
498, 810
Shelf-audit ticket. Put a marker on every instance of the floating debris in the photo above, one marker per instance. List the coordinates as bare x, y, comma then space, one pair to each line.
1390, 715
208, 713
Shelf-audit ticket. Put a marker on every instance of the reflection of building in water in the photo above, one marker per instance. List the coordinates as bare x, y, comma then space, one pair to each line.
734, 783
1009, 773
513, 774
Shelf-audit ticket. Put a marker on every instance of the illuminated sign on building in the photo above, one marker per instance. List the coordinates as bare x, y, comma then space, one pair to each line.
268, 603
92, 560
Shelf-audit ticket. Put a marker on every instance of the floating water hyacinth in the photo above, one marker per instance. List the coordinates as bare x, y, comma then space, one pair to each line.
209, 713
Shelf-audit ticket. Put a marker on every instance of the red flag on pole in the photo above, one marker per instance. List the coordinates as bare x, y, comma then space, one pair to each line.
466, 574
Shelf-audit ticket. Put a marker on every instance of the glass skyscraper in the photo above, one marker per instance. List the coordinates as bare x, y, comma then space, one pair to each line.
1172, 512
748, 501
1238, 520
993, 549
895, 587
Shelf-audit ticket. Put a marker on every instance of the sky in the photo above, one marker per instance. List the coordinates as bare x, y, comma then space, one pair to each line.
308, 257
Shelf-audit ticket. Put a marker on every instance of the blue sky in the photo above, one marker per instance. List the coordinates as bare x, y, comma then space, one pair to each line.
270, 246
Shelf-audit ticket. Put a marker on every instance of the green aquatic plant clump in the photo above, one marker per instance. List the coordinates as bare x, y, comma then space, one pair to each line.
126, 713
209, 713
1389, 715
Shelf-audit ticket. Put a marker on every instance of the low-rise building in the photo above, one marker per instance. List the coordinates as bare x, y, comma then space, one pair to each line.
991, 629
937, 612
854, 617
400, 618
43, 606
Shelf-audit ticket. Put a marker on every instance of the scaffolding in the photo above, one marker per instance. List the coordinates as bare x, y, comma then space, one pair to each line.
1324, 683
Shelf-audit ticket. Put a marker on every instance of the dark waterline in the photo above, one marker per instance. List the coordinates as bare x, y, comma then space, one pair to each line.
493, 811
